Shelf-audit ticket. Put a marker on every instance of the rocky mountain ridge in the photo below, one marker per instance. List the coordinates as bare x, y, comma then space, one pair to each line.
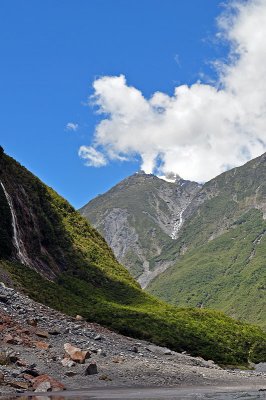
177, 226
138, 217
243, 186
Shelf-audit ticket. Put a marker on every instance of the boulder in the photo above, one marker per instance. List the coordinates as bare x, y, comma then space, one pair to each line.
76, 354
91, 369
9, 339
104, 378
66, 362
21, 363
134, 349
44, 383
70, 373
43, 334
3, 298
31, 372
42, 345
44, 387
54, 332
32, 321
19, 385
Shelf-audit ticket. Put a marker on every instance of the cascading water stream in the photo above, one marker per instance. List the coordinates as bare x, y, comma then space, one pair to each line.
18, 243
177, 225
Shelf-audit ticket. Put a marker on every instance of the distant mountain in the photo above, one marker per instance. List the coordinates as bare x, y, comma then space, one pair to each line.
138, 217
50, 252
206, 244
221, 249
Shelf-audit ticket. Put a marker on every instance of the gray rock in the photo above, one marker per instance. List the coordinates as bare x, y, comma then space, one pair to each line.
91, 369
134, 349
3, 298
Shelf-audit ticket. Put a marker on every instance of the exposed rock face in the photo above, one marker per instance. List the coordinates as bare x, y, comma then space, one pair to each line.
138, 217
36, 227
17, 240
118, 233
29, 243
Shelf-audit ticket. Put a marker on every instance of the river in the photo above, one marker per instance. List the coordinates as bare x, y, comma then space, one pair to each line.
210, 393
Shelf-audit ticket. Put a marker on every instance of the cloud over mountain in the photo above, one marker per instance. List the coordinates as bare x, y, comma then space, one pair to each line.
201, 130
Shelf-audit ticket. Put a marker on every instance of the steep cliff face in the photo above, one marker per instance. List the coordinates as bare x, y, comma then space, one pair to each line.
138, 217
29, 245
42, 231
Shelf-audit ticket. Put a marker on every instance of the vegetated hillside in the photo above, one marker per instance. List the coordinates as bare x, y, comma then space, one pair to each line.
59, 260
138, 217
221, 249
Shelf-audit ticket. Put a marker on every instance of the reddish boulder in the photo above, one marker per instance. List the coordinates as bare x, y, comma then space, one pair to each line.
9, 339
76, 354
45, 383
42, 345
43, 334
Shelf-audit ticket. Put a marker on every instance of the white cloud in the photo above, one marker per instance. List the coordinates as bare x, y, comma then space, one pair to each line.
93, 157
200, 130
177, 59
71, 126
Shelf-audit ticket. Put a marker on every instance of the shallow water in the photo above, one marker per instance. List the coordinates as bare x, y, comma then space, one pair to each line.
149, 394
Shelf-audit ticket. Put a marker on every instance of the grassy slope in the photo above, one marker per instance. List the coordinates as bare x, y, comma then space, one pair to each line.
205, 333
93, 284
228, 272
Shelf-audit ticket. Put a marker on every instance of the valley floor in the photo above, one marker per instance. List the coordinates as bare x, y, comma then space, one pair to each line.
32, 350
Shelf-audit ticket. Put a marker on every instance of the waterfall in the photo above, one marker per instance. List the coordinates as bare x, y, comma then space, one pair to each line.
177, 225
17, 241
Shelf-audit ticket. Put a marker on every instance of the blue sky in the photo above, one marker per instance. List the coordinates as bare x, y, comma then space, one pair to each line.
51, 53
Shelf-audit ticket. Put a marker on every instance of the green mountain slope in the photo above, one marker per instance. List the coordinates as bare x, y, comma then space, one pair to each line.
221, 250
137, 218
60, 260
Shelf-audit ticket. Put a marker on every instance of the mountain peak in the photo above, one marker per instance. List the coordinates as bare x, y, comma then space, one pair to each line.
141, 207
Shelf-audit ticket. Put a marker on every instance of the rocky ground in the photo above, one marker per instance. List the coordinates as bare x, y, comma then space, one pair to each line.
44, 350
